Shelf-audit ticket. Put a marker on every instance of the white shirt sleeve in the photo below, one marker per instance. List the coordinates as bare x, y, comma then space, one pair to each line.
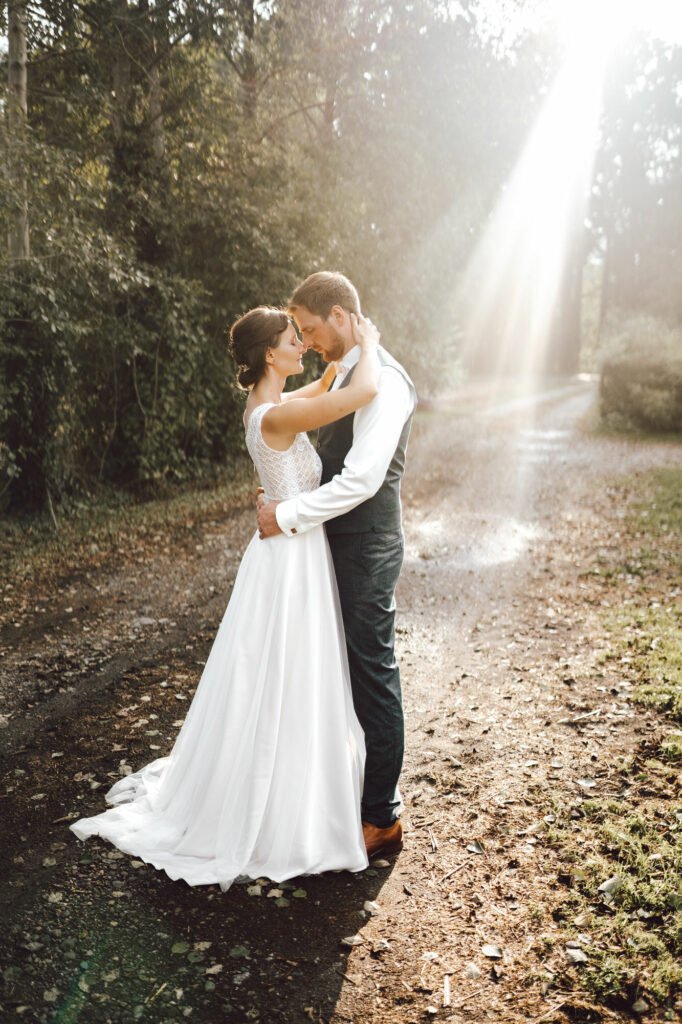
376, 431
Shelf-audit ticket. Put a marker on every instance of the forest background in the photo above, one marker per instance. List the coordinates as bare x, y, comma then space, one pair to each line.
168, 165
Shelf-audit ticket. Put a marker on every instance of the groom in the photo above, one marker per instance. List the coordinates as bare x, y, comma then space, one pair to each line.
363, 458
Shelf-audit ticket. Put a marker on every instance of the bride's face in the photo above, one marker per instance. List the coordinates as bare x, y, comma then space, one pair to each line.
287, 358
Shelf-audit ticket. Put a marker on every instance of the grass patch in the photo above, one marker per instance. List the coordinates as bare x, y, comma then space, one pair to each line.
648, 632
633, 935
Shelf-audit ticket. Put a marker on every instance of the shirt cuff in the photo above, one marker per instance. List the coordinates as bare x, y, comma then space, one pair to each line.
285, 514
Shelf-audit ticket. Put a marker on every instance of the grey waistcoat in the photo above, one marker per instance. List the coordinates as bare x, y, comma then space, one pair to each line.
383, 511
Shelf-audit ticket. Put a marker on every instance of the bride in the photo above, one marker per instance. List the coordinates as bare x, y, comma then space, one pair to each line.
265, 777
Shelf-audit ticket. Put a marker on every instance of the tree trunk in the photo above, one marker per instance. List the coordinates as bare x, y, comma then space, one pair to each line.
249, 74
157, 136
120, 72
18, 238
568, 338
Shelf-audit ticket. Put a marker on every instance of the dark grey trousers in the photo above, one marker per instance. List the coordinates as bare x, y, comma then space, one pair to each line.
367, 567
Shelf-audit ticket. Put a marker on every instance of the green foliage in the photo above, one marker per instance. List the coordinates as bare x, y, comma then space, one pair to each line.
641, 374
109, 375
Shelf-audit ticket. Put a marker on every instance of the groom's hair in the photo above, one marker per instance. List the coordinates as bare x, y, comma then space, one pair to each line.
325, 289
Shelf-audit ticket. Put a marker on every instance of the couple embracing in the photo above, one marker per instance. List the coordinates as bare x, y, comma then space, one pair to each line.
288, 760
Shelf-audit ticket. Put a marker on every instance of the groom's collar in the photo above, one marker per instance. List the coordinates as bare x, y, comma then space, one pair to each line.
348, 362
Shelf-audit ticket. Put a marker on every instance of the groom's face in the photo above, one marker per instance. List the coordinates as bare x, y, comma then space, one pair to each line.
325, 336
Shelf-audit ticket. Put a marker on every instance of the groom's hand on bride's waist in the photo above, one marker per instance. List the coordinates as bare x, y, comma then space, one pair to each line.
267, 520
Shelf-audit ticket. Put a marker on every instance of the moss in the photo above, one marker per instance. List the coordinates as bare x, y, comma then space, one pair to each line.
636, 931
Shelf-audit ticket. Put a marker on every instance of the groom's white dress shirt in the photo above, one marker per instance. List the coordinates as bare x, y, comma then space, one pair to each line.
376, 431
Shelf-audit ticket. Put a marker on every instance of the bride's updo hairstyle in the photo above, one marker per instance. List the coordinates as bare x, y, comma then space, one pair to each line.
250, 338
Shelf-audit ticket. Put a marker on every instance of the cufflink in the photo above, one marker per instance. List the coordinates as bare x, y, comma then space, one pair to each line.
293, 529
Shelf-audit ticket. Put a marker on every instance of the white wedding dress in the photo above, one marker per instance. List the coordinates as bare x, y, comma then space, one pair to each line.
265, 777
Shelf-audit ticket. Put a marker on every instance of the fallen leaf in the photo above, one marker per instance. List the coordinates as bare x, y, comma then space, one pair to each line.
492, 952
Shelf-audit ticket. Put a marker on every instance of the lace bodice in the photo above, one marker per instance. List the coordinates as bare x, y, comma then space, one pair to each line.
282, 474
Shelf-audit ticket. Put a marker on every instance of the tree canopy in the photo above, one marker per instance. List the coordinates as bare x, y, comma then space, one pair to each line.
179, 162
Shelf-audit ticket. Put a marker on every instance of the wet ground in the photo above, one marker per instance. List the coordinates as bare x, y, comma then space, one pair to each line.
507, 706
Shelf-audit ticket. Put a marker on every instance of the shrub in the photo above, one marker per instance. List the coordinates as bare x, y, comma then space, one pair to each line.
641, 374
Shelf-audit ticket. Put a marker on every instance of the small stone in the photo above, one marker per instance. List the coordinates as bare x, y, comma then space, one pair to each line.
640, 1006
472, 971
610, 886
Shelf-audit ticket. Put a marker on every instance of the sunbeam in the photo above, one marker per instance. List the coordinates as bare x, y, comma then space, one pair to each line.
510, 290
510, 298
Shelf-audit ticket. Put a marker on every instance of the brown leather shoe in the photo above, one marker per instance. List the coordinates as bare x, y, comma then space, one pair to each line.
382, 840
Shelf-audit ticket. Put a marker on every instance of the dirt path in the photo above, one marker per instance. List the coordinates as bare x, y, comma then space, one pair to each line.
500, 639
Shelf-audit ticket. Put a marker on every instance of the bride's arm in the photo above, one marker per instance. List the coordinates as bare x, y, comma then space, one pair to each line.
317, 387
297, 415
